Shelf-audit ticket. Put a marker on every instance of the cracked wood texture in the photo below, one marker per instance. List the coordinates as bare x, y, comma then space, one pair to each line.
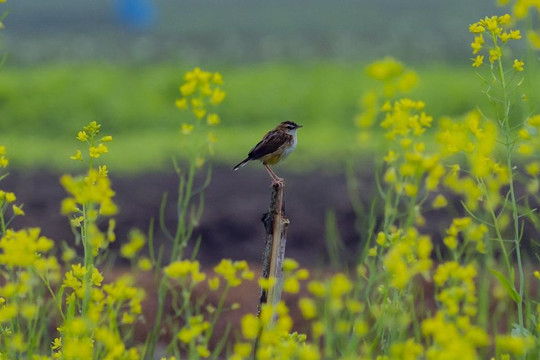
276, 225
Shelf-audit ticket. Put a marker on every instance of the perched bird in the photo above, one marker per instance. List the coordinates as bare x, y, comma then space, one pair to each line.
274, 146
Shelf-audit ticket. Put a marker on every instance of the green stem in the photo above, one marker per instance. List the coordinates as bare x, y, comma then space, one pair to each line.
2, 220
88, 260
515, 214
179, 241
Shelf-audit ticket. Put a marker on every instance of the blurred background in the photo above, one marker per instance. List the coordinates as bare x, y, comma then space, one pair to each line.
120, 62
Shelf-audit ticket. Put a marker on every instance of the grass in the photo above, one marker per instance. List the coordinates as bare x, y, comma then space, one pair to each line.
43, 107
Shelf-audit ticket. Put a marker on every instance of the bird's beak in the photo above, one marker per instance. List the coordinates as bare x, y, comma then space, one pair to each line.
299, 126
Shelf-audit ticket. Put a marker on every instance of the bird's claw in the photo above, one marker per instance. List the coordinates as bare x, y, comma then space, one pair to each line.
278, 181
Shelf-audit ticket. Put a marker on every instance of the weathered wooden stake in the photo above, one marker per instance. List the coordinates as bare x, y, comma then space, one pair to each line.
276, 225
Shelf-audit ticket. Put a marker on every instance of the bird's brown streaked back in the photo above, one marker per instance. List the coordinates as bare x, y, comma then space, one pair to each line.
274, 146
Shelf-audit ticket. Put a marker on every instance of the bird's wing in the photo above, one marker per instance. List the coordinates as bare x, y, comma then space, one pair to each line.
269, 144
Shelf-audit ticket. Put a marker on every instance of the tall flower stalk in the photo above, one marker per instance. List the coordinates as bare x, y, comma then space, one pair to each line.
499, 90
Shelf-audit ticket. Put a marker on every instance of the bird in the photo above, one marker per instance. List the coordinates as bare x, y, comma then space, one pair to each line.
275, 146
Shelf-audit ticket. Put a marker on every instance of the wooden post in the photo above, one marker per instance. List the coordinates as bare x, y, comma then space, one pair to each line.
276, 225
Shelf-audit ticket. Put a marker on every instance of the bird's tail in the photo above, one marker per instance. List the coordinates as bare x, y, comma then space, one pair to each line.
242, 163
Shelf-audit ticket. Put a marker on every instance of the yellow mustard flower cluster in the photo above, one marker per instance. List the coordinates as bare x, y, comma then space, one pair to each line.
90, 195
408, 255
234, 272
521, 10
89, 135
495, 27
271, 334
409, 164
88, 191
476, 139
82, 339
194, 334
528, 143
472, 234
24, 248
182, 268
200, 90
114, 304
394, 79
136, 241
201, 93
394, 76
293, 276
7, 198
452, 330
4, 162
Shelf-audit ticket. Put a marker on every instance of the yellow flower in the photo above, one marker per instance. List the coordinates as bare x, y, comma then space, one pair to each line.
229, 271
518, 345
22, 248
217, 78
188, 88
291, 285
213, 283
381, 239
10, 197
533, 168
250, 326
182, 103
56, 344
212, 119
267, 283
102, 170
199, 112
97, 151
385, 69
82, 136
308, 308
317, 288
178, 269
534, 38
518, 65
144, 264
8, 312
136, 241
476, 28
411, 189
187, 129
477, 44
290, 265
77, 156
439, 202
525, 149
203, 351
340, 285
17, 210
494, 54
478, 61
218, 96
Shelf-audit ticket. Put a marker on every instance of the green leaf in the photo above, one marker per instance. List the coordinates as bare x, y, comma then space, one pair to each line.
506, 285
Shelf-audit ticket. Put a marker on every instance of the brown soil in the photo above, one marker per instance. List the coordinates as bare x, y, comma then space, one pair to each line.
231, 225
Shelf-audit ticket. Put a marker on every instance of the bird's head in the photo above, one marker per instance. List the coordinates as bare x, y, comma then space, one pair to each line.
289, 127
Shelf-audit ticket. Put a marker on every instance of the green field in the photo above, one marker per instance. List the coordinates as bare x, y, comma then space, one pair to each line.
44, 106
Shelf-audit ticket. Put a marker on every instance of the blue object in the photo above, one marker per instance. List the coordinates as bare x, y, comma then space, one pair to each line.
137, 14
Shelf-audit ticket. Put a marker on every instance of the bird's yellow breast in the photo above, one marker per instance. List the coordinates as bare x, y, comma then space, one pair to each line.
272, 159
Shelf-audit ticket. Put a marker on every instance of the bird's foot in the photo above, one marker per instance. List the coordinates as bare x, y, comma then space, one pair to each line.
280, 182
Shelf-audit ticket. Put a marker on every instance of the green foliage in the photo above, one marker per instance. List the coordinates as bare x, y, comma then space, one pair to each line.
43, 106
